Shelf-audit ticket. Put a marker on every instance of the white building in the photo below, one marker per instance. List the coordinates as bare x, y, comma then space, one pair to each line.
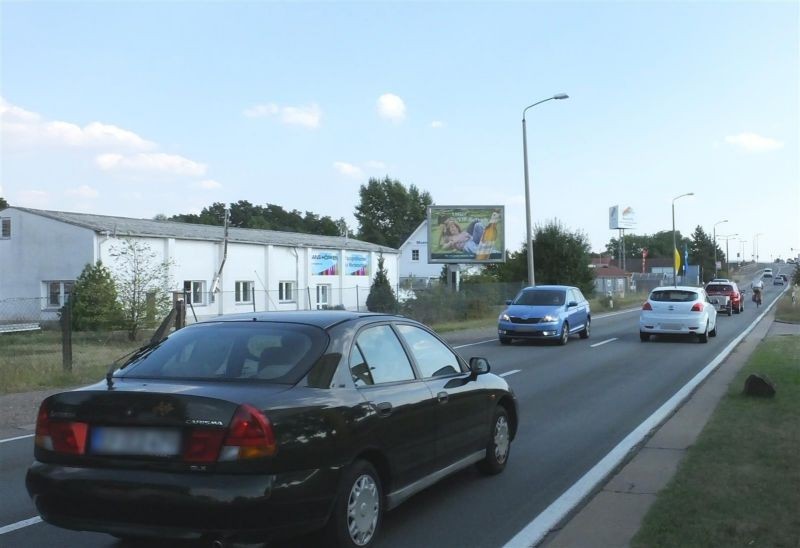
43, 252
413, 258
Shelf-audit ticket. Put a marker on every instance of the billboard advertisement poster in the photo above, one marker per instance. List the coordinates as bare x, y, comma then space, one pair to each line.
466, 234
356, 264
621, 217
325, 263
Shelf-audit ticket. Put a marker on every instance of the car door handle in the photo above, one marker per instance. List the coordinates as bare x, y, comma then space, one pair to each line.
442, 396
384, 409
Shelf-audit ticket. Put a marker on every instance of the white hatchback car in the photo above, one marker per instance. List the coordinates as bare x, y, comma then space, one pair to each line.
680, 310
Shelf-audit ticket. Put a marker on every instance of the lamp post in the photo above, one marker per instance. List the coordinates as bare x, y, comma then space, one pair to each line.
528, 235
715, 245
755, 246
674, 243
741, 251
727, 238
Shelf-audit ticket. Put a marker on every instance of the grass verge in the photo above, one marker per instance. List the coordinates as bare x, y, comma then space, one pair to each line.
785, 311
32, 361
740, 483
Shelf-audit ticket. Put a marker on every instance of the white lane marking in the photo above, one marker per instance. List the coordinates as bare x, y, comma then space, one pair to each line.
507, 373
473, 344
19, 525
17, 438
612, 314
533, 533
612, 339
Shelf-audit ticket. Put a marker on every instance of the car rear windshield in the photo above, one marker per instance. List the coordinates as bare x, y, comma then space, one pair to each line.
714, 288
673, 296
262, 351
541, 297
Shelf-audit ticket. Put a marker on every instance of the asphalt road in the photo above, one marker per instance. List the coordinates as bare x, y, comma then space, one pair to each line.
576, 403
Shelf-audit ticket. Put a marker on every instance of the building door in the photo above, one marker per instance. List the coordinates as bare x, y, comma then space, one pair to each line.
323, 296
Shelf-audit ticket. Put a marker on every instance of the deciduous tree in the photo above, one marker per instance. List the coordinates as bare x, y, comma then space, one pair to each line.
388, 212
94, 301
143, 283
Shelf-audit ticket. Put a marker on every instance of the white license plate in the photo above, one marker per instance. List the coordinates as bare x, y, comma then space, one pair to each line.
671, 326
155, 442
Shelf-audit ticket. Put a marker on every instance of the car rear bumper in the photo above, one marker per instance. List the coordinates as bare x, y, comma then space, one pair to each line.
177, 505
673, 325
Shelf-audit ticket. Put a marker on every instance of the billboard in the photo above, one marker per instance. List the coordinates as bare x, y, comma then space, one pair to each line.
466, 234
356, 264
619, 217
325, 263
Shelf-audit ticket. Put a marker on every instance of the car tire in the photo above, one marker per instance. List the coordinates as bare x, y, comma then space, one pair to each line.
505, 340
499, 445
564, 338
644, 337
358, 510
584, 333
703, 337
713, 332
730, 310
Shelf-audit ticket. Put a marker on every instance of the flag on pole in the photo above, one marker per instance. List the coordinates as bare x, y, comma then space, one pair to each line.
685, 257
677, 257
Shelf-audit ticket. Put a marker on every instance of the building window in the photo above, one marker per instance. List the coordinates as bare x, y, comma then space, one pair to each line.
194, 291
244, 292
286, 292
323, 296
5, 228
415, 254
58, 293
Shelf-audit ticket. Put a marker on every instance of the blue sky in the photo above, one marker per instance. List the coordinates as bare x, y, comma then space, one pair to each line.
135, 109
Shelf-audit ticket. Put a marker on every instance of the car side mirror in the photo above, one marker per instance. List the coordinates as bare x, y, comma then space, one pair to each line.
508, 301
479, 366
572, 304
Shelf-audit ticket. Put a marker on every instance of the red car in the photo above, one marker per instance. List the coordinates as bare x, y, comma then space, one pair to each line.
730, 290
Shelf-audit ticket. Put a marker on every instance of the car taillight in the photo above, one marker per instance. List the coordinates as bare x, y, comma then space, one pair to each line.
60, 436
647, 306
203, 445
697, 307
250, 436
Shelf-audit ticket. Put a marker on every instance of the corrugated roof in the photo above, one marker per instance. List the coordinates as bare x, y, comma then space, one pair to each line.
126, 226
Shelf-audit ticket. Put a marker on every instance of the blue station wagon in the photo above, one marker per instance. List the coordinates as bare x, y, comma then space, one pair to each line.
545, 312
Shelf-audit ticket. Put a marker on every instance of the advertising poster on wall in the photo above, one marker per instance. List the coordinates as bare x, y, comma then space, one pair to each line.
466, 234
356, 264
325, 263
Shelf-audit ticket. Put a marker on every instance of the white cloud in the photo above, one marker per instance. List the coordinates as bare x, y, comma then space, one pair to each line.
151, 161
437, 124
22, 126
307, 116
375, 164
348, 170
208, 184
391, 107
83, 191
260, 111
752, 142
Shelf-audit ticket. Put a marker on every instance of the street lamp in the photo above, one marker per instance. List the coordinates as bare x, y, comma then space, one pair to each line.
727, 238
755, 246
529, 236
715, 245
741, 251
674, 243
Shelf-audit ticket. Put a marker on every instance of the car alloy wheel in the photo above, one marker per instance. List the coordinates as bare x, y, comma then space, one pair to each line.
564, 334
499, 444
363, 507
586, 329
356, 516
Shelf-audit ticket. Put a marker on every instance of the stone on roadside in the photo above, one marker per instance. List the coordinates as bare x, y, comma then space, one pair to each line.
759, 385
